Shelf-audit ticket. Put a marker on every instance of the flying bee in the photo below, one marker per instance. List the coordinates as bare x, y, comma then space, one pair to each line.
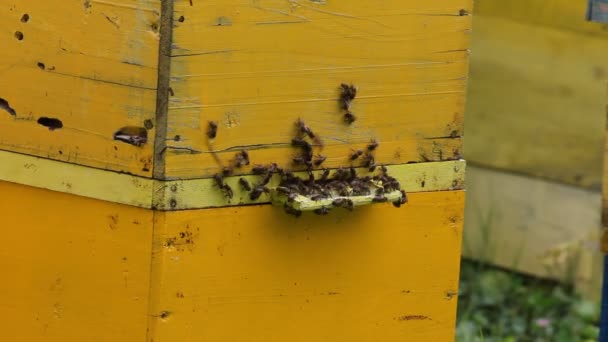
245, 184
372, 145
257, 192
319, 159
349, 117
212, 129
241, 159
259, 169
322, 211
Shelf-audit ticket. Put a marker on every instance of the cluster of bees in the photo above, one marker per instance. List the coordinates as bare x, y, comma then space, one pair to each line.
342, 184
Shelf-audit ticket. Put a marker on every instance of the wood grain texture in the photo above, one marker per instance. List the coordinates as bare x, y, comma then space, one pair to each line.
91, 64
253, 273
75, 269
408, 59
536, 100
535, 227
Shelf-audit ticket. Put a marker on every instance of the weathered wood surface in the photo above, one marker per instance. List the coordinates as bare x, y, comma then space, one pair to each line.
90, 64
534, 226
257, 274
255, 67
537, 91
75, 269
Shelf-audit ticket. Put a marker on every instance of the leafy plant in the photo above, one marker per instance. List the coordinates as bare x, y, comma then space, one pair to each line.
496, 305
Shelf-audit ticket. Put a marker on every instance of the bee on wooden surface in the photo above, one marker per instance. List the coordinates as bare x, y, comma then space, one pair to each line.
212, 129
353, 173
257, 192
283, 190
299, 160
341, 174
219, 180
348, 92
241, 159
345, 203
291, 211
304, 129
379, 199
319, 159
299, 142
324, 175
356, 154
317, 197
383, 169
369, 162
402, 200
227, 171
349, 117
373, 145
259, 169
322, 211
245, 184
266, 179
228, 191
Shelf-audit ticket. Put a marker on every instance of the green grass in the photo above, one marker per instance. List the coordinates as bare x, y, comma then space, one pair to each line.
496, 305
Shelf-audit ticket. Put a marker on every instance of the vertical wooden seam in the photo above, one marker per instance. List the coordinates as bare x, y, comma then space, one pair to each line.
162, 96
155, 312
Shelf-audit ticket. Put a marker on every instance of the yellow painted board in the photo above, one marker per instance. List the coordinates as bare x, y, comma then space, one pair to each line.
254, 273
534, 226
562, 14
90, 64
536, 101
407, 58
75, 269
75, 179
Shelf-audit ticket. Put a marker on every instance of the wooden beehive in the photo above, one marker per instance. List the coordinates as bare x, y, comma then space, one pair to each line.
115, 228
535, 128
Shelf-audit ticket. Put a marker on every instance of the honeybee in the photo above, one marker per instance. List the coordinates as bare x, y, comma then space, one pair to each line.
245, 184
372, 145
291, 211
349, 117
319, 160
322, 211
356, 154
241, 159
212, 129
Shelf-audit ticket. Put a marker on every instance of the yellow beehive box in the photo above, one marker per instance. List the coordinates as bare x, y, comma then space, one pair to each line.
118, 227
